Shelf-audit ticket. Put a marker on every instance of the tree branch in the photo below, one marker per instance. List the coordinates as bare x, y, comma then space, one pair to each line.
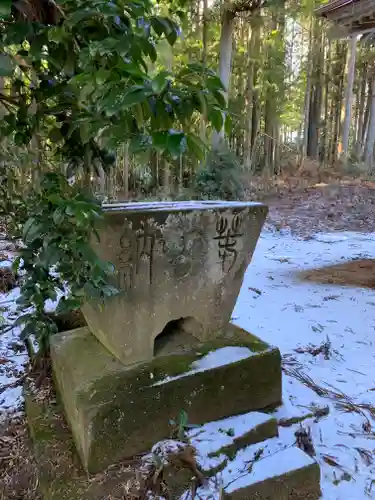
251, 6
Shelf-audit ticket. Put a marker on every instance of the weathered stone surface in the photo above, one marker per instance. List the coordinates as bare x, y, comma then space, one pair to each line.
173, 260
218, 442
60, 472
117, 411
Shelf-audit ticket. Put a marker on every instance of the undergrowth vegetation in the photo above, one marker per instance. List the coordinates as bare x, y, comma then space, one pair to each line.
80, 79
220, 176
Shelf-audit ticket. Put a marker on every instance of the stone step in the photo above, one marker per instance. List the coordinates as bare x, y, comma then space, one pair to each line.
243, 452
218, 442
118, 411
244, 457
287, 474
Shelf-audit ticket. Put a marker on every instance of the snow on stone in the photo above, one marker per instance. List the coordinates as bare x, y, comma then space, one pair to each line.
157, 206
221, 357
255, 463
275, 464
212, 437
240, 424
214, 359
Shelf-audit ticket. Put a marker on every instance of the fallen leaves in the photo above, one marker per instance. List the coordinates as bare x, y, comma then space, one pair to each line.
18, 477
355, 273
324, 348
4, 361
304, 441
308, 211
8, 280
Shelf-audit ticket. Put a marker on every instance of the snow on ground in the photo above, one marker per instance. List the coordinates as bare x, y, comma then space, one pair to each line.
12, 357
277, 306
282, 310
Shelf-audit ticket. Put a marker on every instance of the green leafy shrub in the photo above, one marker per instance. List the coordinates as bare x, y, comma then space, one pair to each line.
79, 85
220, 177
57, 256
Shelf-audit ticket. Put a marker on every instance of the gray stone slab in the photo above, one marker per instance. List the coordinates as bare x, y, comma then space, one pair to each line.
116, 411
174, 261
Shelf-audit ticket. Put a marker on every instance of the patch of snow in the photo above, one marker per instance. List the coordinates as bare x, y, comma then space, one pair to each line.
214, 359
5, 263
212, 437
221, 357
164, 449
157, 206
12, 356
12, 350
238, 424
291, 313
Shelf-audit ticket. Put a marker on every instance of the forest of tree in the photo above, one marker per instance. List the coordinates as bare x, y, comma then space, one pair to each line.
286, 77
286, 72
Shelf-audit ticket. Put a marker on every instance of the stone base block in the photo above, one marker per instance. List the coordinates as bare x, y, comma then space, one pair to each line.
288, 475
117, 411
60, 473
252, 461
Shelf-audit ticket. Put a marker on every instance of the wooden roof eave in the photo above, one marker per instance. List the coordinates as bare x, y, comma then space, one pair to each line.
355, 16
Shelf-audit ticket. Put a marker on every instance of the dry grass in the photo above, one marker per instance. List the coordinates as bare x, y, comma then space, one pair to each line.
324, 348
341, 401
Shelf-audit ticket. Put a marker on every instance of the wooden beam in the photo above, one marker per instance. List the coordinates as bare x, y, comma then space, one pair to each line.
354, 16
345, 10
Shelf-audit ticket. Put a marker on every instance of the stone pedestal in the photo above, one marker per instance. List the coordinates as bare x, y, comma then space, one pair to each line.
182, 261
164, 344
117, 411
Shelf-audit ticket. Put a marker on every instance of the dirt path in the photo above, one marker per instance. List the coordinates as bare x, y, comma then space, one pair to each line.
324, 208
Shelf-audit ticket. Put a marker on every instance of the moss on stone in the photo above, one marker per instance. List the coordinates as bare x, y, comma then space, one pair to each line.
61, 476
261, 432
117, 411
298, 484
